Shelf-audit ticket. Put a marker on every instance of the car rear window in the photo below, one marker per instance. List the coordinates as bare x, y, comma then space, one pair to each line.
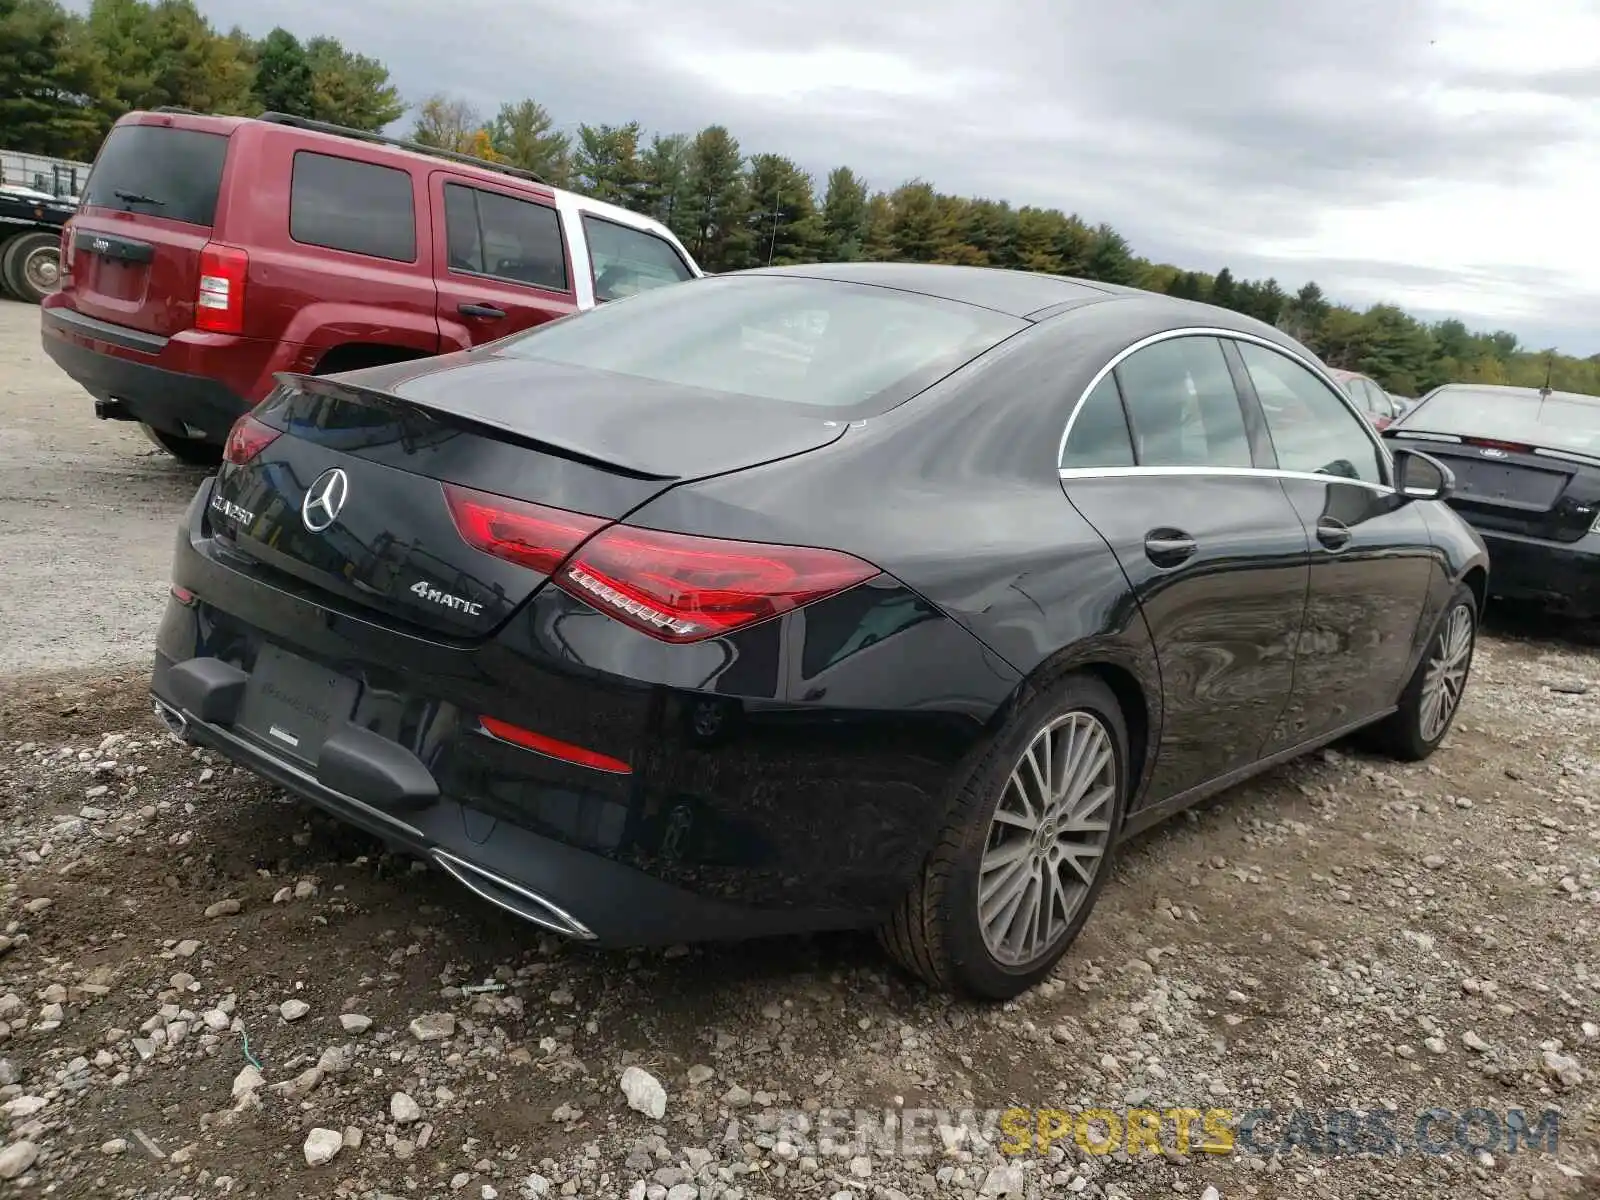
816, 342
159, 171
1563, 421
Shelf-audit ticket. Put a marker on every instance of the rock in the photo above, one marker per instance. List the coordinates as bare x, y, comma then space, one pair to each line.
17, 1158
321, 1145
355, 1022
114, 1147
186, 948
644, 1092
216, 1020
700, 1073
433, 1027
1210, 1193
534, 1186
736, 1097
223, 908
23, 1107
1472, 1041
683, 1191
861, 1166
293, 1010
8, 1073
246, 1082
404, 1109
1434, 861
1562, 1068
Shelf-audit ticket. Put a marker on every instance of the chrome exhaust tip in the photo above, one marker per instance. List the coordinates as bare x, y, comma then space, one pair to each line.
171, 718
512, 897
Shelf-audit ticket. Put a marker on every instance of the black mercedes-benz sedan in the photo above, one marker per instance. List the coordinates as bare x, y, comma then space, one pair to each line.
868, 596
1527, 469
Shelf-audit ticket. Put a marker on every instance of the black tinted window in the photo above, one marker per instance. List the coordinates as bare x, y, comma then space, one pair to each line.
356, 206
841, 346
159, 171
629, 260
1311, 428
1099, 436
492, 234
1183, 406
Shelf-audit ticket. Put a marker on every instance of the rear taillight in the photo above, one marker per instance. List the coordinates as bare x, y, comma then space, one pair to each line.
673, 586
680, 588
219, 304
248, 438
530, 535
65, 251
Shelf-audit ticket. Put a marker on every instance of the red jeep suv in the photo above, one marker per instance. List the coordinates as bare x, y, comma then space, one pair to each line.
211, 252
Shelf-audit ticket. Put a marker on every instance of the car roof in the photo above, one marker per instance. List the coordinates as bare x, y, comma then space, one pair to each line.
1015, 293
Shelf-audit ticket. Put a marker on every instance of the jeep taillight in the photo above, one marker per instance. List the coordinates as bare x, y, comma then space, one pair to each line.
66, 254
219, 304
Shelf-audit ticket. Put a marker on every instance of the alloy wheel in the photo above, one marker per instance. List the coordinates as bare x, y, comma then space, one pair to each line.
1446, 675
1047, 838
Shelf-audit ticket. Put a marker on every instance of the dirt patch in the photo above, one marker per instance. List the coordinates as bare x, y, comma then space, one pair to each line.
1341, 934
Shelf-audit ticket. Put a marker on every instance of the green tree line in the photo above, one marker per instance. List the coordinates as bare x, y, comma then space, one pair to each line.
65, 78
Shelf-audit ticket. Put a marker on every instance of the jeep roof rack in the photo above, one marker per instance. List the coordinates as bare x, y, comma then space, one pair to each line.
278, 118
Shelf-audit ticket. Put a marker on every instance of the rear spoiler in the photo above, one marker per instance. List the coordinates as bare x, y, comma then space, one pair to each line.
355, 393
1395, 433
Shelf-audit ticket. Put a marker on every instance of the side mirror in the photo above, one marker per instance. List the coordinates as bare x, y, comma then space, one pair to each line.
1420, 476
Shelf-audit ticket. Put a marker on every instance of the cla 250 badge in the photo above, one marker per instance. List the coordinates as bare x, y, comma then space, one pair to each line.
229, 509
435, 596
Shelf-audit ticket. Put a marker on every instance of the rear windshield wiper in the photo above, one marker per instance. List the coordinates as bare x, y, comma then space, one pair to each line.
138, 198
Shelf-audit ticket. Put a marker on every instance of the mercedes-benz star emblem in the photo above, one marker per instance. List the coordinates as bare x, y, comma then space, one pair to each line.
324, 498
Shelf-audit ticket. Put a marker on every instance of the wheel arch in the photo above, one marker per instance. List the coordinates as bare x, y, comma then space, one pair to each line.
353, 356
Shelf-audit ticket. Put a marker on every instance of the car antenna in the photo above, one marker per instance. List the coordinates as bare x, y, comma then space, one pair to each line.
1544, 392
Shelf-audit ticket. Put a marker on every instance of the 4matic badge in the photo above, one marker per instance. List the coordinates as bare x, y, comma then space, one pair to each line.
434, 596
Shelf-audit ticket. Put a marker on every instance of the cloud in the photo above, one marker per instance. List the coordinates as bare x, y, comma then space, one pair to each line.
1443, 154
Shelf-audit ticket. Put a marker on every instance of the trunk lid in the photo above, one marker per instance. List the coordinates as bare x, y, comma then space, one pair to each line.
405, 436
1518, 489
146, 213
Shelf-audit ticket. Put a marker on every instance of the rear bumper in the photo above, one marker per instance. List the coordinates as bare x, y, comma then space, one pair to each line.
1563, 575
748, 807
192, 381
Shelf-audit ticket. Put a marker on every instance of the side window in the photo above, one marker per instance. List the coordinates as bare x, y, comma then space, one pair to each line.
627, 260
463, 242
356, 206
487, 233
1311, 430
1099, 436
1182, 405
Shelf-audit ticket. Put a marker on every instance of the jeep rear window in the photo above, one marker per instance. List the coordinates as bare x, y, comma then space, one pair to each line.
159, 171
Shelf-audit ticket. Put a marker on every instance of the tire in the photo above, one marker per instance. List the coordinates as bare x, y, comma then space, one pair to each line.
1414, 730
31, 266
193, 452
936, 933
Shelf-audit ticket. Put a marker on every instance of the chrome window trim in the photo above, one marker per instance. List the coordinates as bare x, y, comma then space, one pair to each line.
1165, 335
1069, 473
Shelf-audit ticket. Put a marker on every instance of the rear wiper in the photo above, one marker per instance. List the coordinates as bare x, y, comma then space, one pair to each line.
137, 198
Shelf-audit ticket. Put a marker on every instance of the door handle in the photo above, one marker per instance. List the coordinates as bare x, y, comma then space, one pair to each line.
1335, 535
1168, 547
487, 311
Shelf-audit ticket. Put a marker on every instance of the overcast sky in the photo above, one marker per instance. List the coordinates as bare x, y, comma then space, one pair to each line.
1440, 154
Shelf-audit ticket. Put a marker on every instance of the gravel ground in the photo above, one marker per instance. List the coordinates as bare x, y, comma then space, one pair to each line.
207, 989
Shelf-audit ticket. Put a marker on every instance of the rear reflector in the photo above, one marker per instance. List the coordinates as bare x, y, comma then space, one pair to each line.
219, 304
248, 438
680, 588
530, 535
553, 747
182, 595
